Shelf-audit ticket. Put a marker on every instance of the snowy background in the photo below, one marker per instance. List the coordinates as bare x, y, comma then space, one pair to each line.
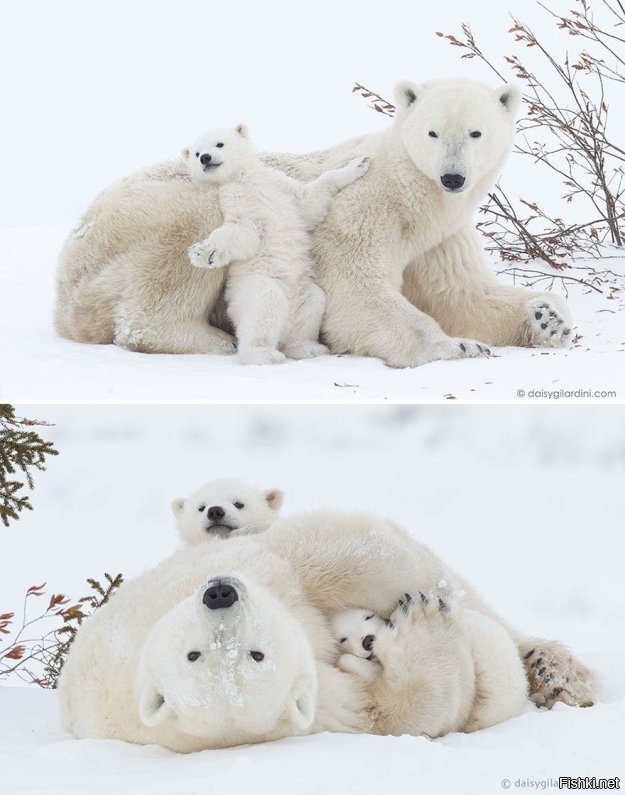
96, 90
526, 502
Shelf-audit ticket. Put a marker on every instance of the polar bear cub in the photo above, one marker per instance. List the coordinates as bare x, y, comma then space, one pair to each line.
500, 684
225, 508
355, 631
271, 295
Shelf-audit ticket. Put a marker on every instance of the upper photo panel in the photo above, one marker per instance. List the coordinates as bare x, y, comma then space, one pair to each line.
243, 201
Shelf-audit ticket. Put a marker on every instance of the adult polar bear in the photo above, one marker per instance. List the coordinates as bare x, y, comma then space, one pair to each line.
398, 255
228, 642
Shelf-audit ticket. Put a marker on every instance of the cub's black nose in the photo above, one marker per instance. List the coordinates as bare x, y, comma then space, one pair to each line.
220, 595
215, 513
450, 181
205, 159
367, 642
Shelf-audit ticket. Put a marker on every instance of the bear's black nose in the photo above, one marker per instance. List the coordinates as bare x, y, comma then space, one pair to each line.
450, 181
220, 595
215, 513
367, 642
205, 159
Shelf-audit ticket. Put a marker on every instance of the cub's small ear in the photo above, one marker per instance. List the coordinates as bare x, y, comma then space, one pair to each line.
510, 97
406, 94
177, 506
274, 498
153, 709
241, 129
185, 154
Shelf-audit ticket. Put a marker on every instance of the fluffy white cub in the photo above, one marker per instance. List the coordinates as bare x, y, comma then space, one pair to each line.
271, 295
355, 631
224, 508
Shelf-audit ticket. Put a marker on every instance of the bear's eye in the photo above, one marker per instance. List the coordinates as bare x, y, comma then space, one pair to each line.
219, 145
342, 640
192, 656
476, 134
257, 655
239, 505
202, 508
197, 154
367, 618
432, 134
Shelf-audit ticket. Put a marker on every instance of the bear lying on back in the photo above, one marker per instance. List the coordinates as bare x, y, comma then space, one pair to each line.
271, 295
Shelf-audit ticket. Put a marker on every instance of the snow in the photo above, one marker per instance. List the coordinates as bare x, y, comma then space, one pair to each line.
39, 758
40, 366
526, 502
66, 142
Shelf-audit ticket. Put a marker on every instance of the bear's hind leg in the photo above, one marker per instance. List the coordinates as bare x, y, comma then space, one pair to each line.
191, 336
258, 308
302, 334
453, 283
555, 675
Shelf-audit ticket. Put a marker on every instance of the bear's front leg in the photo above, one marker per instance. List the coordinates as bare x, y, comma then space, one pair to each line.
318, 194
427, 684
231, 242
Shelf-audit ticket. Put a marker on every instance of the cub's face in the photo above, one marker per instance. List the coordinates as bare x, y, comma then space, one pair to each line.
224, 508
217, 155
456, 132
355, 631
229, 665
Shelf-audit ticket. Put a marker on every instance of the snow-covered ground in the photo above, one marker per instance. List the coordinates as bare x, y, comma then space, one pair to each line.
38, 365
527, 502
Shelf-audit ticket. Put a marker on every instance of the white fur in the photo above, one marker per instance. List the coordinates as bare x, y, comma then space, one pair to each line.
398, 257
129, 659
271, 295
490, 690
246, 510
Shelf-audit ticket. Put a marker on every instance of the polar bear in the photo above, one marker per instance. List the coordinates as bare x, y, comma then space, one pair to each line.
271, 295
398, 256
230, 643
499, 689
355, 631
225, 508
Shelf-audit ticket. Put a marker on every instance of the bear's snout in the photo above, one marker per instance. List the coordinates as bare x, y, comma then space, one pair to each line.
220, 595
367, 643
215, 513
452, 181
205, 159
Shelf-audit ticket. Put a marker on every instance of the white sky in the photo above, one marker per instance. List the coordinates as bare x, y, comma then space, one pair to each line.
93, 90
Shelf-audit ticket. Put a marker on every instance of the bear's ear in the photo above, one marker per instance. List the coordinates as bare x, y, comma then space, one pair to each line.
301, 712
406, 94
185, 154
177, 506
510, 97
153, 709
241, 129
274, 498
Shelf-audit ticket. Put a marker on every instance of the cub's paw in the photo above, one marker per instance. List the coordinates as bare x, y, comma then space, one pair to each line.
469, 349
352, 171
305, 350
546, 324
359, 166
261, 356
555, 675
208, 253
